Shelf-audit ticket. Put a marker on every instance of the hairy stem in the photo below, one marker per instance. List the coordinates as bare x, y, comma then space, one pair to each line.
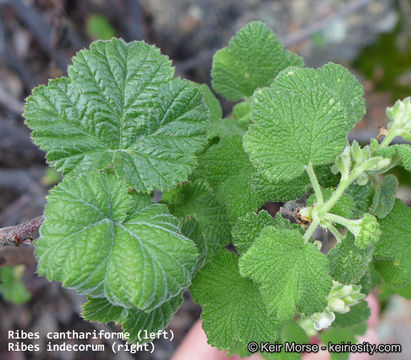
342, 186
314, 182
335, 232
388, 138
15, 235
341, 220
311, 230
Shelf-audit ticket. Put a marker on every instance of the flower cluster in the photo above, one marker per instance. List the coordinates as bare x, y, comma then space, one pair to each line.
340, 299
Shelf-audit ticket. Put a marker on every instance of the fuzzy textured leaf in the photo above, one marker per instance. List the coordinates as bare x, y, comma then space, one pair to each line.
370, 280
279, 190
192, 229
401, 152
196, 199
292, 274
384, 197
241, 113
121, 106
335, 78
300, 119
248, 228
228, 170
292, 332
392, 252
348, 263
339, 335
252, 59
357, 315
132, 320
290, 189
233, 311
225, 127
362, 196
105, 242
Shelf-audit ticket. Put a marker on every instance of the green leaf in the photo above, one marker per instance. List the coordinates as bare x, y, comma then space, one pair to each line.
370, 280
279, 190
233, 311
102, 241
241, 113
196, 199
192, 229
220, 127
292, 332
335, 79
225, 127
134, 321
248, 228
325, 177
12, 289
339, 335
362, 196
343, 207
213, 105
290, 189
384, 197
392, 252
301, 120
151, 321
397, 152
357, 315
291, 273
121, 106
101, 310
253, 58
228, 170
348, 263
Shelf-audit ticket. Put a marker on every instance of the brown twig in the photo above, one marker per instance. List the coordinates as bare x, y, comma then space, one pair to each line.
18, 234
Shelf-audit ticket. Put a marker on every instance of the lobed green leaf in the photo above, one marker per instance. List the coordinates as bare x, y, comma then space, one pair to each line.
105, 242
384, 197
253, 58
291, 273
338, 335
197, 199
120, 107
134, 322
348, 263
227, 169
302, 118
392, 251
233, 311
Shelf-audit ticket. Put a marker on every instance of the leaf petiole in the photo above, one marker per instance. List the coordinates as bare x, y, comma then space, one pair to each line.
311, 229
314, 182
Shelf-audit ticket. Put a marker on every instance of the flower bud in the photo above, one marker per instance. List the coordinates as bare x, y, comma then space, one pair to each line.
362, 179
400, 114
338, 305
323, 320
369, 231
356, 153
343, 162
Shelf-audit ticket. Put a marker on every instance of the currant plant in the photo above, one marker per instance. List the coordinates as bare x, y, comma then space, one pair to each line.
121, 126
